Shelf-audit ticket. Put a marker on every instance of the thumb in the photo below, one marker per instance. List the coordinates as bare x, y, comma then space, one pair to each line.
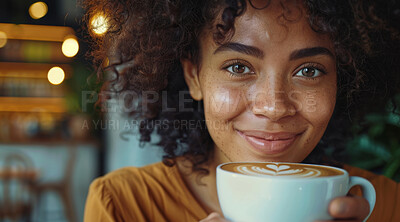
214, 217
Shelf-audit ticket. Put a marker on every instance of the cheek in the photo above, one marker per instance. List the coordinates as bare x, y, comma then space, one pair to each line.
223, 103
317, 106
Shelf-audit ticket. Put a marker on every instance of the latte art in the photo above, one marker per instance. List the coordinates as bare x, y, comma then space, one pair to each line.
281, 170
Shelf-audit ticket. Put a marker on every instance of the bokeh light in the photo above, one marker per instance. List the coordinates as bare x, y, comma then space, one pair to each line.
106, 62
56, 75
38, 10
70, 47
3, 39
99, 24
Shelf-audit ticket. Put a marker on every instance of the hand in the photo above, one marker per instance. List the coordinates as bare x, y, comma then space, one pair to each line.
214, 217
349, 209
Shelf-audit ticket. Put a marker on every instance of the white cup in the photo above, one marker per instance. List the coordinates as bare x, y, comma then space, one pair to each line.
268, 193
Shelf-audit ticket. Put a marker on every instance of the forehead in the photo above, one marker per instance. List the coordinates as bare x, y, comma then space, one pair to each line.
278, 25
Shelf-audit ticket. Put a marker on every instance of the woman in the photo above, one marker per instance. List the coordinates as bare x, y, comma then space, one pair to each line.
265, 78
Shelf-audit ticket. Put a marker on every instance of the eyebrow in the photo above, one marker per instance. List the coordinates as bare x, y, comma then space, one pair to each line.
309, 52
256, 52
241, 48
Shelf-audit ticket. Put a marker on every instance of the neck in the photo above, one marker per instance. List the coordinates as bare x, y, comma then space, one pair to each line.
203, 187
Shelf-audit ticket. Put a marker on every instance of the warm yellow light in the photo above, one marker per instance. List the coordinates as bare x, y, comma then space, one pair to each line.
70, 47
106, 62
38, 10
99, 24
3, 39
56, 75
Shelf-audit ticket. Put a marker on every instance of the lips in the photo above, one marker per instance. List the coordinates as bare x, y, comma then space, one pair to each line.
269, 143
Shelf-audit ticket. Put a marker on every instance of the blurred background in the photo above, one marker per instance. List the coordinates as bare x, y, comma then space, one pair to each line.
53, 143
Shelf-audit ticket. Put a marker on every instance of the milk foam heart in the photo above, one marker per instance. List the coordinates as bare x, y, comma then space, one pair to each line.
278, 167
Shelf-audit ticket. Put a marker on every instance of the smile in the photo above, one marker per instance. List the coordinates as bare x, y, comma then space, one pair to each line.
269, 143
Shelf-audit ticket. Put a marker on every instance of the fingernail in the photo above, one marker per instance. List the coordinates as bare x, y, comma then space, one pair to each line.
340, 208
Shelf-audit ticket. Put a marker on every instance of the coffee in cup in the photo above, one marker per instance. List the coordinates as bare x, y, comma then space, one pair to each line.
282, 170
255, 191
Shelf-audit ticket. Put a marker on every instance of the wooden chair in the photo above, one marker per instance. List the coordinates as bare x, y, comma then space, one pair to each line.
17, 179
61, 187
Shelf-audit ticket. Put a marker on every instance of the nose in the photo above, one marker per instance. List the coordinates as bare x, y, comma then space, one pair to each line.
274, 104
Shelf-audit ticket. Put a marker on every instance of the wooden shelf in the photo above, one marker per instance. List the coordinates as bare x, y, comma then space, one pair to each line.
36, 32
30, 70
33, 104
54, 142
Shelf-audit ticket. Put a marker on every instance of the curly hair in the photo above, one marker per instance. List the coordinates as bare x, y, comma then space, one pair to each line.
146, 40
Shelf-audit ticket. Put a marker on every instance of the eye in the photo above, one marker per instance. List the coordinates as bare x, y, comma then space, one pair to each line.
310, 71
237, 68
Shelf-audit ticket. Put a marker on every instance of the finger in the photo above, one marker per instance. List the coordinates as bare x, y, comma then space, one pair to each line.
338, 220
214, 217
349, 208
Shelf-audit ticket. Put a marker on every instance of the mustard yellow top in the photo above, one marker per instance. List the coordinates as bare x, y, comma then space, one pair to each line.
158, 193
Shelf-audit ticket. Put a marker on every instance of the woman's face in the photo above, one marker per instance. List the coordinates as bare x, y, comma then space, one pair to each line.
268, 92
